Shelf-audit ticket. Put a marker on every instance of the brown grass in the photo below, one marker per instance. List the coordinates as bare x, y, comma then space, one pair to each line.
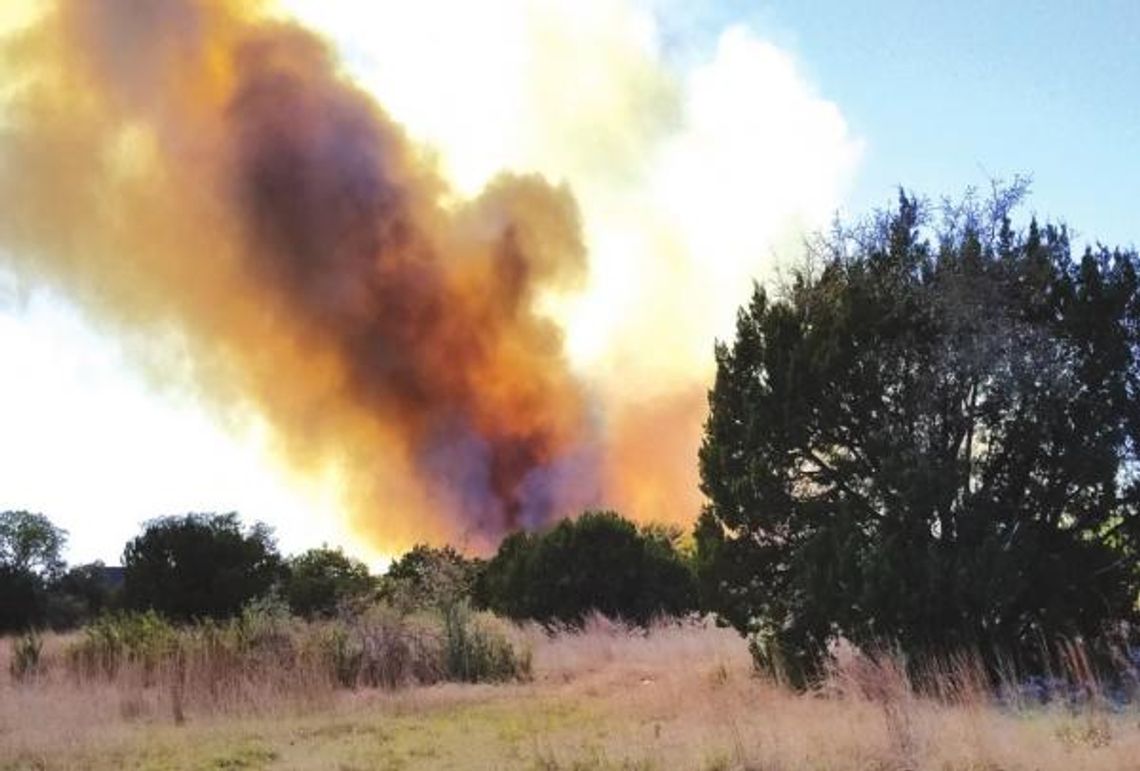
681, 696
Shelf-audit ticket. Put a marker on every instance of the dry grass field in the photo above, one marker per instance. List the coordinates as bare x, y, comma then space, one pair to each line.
679, 697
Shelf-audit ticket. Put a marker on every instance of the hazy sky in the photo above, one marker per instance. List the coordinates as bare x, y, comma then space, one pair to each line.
868, 95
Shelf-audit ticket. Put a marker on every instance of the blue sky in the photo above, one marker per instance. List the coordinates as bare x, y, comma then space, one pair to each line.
952, 94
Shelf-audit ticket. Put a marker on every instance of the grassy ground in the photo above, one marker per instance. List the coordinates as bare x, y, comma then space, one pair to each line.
608, 698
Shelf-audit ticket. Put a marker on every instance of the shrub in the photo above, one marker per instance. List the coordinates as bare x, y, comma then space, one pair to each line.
598, 562
477, 650
81, 594
428, 578
319, 581
114, 640
386, 648
340, 654
233, 661
24, 599
27, 652
397, 649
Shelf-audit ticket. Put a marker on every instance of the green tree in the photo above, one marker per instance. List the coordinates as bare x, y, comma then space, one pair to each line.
81, 594
30, 559
931, 440
319, 581
597, 562
429, 577
30, 542
199, 565
22, 600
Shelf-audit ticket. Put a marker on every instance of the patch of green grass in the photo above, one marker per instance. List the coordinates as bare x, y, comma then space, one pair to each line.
245, 757
340, 731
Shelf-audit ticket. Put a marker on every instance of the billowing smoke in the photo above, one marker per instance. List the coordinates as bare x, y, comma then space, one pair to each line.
455, 350
698, 154
185, 167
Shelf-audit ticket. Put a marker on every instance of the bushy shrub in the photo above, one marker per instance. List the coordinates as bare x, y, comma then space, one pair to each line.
598, 562
319, 581
387, 648
429, 578
27, 652
477, 649
233, 661
24, 599
340, 654
118, 639
397, 649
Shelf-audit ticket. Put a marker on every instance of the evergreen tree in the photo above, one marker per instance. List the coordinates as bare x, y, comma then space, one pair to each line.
931, 439
597, 562
318, 581
199, 566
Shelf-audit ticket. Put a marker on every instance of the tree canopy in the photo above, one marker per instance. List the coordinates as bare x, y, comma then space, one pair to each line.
317, 581
930, 439
199, 565
427, 576
30, 559
597, 562
31, 543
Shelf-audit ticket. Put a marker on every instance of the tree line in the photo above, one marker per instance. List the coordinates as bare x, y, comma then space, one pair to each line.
928, 436
210, 566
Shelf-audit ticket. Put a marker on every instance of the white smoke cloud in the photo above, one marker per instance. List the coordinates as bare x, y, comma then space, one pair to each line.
690, 182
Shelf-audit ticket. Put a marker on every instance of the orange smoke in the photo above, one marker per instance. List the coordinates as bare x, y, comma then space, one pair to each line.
187, 167
651, 456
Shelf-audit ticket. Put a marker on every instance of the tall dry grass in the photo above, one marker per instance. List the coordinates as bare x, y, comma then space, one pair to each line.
695, 685
264, 660
678, 695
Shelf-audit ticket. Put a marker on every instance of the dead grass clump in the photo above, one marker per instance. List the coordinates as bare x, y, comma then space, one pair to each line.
108, 644
392, 650
605, 649
479, 648
27, 654
880, 679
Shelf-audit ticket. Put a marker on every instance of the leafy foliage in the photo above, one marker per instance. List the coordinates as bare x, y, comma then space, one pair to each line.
27, 656
199, 565
598, 562
117, 639
30, 559
83, 593
214, 663
318, 581
427, 577
24, 599
31, 543
477, 650
932, 440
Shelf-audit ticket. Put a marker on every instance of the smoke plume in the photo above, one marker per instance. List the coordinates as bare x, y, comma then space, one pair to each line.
455, 345
198, 172
698, 154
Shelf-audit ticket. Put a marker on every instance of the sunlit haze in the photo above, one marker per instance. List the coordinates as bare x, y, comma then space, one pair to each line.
698, 150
